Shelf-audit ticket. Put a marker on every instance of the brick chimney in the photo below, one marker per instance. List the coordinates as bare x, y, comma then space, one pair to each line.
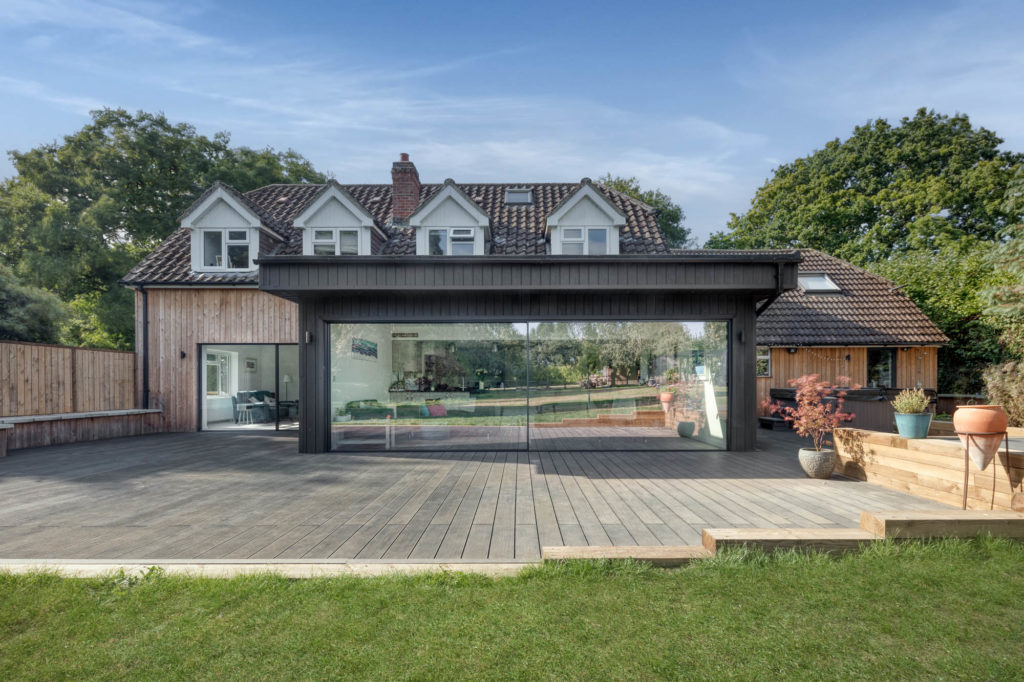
405, 189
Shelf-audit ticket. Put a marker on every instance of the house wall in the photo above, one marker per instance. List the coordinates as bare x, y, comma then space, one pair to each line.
181, 318
914, 365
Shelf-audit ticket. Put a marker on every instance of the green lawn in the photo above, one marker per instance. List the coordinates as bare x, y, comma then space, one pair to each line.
949, 609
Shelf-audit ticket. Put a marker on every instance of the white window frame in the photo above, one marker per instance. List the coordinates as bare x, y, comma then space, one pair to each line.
334, 240
461, 235
763, 353
225, 242
214, 365
584, 239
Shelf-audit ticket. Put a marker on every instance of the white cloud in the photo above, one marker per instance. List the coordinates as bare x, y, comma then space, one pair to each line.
38, 91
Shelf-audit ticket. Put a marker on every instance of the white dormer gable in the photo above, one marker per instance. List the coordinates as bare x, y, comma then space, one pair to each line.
335, 223
585, 223
225, 232
450, 223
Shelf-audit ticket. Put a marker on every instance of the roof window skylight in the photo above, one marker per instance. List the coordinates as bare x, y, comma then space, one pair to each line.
818, 283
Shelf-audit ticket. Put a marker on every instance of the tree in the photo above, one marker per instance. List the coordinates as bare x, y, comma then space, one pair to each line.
669, 215
947, 285
81, 212
886, 190
27, 313
1005, 298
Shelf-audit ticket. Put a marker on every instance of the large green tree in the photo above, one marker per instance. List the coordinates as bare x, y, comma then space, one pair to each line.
81, 212
1005, 295
27, 313
670, 215
923, 203
885, 190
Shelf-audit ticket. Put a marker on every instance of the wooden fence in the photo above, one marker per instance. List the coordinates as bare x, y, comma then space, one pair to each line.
37, 378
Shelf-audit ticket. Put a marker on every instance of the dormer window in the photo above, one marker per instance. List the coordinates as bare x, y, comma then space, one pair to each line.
335, 242
518, 196
817, 283
592, 241
226, 250
453, 241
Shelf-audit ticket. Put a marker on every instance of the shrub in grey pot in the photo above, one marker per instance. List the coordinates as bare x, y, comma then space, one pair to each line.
912, 416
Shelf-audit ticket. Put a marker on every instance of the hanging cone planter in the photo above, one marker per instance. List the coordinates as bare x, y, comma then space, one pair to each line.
989, 419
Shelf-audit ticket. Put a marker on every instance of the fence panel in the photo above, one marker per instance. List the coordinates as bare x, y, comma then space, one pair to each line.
37, 378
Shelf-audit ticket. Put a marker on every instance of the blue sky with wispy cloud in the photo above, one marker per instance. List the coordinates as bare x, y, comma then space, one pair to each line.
699, 99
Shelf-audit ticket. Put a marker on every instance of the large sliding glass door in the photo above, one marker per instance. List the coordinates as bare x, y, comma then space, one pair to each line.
538, 385
249, 386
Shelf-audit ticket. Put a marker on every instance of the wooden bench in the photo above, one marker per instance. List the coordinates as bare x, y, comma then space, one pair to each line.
37, 430
4, 428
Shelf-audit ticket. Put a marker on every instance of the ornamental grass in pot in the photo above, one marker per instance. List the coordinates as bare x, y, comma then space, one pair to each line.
912, 415
818, 413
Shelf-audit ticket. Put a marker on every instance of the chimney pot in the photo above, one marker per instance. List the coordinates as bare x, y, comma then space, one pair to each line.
404, 156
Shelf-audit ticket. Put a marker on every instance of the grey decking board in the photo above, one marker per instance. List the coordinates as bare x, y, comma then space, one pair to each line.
225, 496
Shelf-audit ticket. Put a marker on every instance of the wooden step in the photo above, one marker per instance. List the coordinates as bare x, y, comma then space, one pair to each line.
659, 555
955, 523
824, 539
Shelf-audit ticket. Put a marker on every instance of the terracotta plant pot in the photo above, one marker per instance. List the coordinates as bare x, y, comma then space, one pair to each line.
817, 464
666, 397
980, 419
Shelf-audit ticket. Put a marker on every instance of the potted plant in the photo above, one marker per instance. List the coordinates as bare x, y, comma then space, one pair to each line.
818, 413
912, 415
667, 395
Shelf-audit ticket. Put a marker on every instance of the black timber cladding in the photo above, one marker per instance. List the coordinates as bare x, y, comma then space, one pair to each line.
423, 289
293, 276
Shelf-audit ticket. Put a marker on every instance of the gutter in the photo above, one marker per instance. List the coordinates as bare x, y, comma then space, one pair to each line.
145, 347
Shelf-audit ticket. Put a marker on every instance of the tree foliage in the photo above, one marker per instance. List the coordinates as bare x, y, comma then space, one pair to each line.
1005, 296
28, 313
886, 190
81, 212
669, 214
923, 203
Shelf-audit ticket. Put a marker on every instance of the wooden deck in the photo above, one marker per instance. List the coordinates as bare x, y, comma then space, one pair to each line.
251, 496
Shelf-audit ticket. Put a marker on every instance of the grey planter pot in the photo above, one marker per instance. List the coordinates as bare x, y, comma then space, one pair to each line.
913, 425
685, 429
817, 464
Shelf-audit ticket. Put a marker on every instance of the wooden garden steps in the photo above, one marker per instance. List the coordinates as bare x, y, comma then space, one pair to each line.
659, 555
824, 539
951, 524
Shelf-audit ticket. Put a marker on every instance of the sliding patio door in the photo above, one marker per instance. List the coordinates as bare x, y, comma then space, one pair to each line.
532, 385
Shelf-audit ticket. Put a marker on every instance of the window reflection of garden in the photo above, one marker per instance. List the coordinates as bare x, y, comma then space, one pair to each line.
545, 374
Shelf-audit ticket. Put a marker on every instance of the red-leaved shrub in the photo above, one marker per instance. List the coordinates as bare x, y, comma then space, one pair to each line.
815, 416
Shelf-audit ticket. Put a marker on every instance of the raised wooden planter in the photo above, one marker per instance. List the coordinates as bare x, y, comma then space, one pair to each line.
928, 467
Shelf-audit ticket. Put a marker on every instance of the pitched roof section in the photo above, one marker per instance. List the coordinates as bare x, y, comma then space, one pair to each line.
869, 311
516, 229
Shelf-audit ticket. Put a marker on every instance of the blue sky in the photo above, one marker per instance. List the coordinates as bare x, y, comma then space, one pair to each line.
700, 99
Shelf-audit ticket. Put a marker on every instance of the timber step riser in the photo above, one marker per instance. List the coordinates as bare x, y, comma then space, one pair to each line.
874, 526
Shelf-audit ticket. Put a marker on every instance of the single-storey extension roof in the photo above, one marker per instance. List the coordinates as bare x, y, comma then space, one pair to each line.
866, 310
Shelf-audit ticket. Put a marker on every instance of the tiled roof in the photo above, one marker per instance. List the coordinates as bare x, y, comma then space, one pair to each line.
516, 229
869, 311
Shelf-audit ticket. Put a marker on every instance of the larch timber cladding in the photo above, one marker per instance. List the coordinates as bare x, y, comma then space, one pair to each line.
913, 365
179, 319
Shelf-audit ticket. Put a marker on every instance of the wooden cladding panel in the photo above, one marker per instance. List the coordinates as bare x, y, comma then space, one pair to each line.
181, 318
912, 366
44, 379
